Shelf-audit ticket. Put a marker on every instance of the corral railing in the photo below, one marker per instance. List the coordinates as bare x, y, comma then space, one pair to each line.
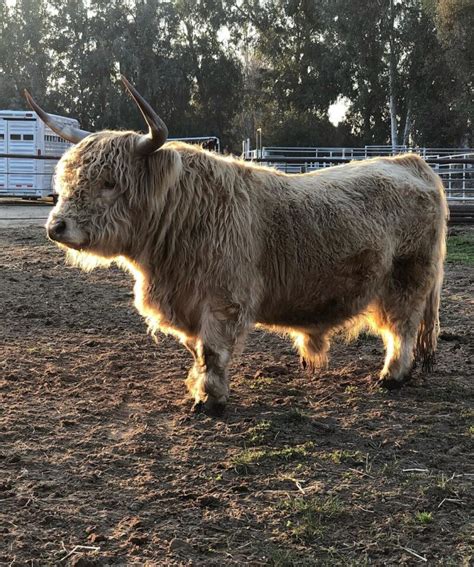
25, 175
455, 166
351, 153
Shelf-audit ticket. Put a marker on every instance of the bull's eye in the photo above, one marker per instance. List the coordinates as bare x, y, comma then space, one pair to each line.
109, 184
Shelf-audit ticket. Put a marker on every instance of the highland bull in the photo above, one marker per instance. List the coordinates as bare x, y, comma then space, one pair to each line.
217, 245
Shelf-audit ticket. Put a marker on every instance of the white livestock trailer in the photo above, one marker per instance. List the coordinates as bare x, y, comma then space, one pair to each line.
28, 149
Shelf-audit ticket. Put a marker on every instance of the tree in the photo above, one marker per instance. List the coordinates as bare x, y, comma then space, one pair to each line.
24, 60
213, 67
454, 20
227, 67
289, 70
396, 75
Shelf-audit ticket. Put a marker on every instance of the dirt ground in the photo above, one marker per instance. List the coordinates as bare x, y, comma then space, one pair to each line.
21, 213
102, 462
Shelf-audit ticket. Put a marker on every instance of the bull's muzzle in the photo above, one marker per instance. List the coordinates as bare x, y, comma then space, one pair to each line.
56, 229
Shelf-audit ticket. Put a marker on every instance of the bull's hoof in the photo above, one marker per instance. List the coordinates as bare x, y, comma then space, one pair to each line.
392, 384
209, 407
308, 366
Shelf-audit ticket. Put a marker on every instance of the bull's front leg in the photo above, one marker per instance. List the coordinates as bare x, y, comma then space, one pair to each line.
207, 380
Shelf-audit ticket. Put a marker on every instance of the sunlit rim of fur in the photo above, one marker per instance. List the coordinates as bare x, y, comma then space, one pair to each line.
87, 261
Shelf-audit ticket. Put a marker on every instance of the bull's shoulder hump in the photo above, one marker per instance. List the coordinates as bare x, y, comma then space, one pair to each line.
407, 164
397, 169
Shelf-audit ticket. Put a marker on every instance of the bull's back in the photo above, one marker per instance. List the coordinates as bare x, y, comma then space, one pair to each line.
333, 239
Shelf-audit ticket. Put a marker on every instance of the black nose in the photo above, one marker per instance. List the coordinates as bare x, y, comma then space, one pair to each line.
56, 228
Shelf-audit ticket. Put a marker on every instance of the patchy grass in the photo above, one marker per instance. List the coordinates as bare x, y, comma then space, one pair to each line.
461, 249
282, 557
339, 456
294, 415
249, 457
261, 382
308, 517
260, 433
286, 558
424, 517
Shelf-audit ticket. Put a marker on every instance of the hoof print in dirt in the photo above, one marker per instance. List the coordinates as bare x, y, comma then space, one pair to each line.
213, 409
391, 384
96, 537
138, 538
208, 501
81, 561
180, 546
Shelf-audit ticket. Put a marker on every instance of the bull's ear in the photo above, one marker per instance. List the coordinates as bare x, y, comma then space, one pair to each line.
69, 133
157, 130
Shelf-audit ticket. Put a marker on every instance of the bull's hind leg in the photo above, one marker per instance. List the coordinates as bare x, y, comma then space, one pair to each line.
398, 323
398, 315
313, 346
399, 346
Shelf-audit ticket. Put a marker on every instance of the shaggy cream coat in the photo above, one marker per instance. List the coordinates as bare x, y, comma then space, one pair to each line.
217, 245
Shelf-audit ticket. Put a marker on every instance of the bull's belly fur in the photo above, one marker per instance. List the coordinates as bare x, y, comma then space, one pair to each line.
331, 313
323, 291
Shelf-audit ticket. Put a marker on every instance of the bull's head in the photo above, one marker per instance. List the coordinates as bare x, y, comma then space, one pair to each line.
103, 182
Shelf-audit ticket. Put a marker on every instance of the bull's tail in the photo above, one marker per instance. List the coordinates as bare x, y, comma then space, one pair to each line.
428, 330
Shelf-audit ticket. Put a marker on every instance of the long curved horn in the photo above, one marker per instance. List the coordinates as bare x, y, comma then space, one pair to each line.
157, 130
69, 133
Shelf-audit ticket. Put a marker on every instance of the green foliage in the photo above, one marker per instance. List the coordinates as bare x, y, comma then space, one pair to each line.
454, 20
309, 517
288, 558
23, 51
339, 456
70, 54
249, 457
259, 433
261, 382
227, 67
294, 415
424, 517
461, 249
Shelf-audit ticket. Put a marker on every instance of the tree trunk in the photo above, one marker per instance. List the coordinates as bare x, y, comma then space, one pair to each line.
195, 59
407, 129
393, 122
392, 79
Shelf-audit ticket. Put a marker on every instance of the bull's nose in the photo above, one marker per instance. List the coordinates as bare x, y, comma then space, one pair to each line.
56, 229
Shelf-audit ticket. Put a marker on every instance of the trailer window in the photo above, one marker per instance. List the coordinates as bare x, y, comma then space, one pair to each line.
49, 138
27, 136
15, 136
